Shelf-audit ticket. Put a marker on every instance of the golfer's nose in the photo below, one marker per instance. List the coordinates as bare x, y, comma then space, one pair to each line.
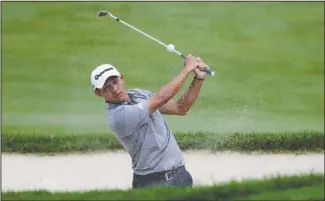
114, 89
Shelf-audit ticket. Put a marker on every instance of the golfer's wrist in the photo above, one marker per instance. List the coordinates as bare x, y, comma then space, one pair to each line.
198, 78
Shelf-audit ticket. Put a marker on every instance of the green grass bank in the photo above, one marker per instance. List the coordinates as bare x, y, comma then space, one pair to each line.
241, 142
304, 187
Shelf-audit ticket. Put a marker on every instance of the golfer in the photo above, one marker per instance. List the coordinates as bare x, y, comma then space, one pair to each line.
135, 116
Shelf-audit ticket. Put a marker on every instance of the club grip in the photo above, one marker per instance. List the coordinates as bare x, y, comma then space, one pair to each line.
212, 73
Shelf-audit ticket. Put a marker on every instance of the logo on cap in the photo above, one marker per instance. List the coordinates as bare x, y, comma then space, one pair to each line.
98, 75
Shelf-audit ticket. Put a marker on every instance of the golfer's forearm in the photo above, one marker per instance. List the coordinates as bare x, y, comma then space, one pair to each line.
186, 101
171, 89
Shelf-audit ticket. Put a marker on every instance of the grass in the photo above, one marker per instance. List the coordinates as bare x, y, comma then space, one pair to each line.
315, 192
281, 187
269, 58
240, 142
268, 94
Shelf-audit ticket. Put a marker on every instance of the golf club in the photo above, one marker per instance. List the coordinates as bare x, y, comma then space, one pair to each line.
169, 47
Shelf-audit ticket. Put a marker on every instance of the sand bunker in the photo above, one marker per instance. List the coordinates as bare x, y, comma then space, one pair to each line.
112, 170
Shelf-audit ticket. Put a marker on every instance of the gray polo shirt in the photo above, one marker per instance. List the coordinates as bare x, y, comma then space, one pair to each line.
146, 137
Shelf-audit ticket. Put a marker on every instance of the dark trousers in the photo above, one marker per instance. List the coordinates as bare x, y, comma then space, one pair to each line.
176, 177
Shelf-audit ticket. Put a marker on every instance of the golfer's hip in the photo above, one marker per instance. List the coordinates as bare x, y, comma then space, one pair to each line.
174, 177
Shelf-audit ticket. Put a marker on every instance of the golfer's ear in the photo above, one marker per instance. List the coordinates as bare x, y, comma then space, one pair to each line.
122, 77
97, 92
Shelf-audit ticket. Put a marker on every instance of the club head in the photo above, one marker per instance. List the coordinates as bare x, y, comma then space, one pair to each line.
102, 13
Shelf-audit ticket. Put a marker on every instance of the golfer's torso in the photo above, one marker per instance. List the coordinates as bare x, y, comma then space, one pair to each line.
152, 145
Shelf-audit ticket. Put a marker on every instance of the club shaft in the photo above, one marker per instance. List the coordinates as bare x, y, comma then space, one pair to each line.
136, 29
143, 33
152, 38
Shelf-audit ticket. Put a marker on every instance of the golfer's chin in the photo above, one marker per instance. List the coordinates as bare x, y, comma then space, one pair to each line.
121, 98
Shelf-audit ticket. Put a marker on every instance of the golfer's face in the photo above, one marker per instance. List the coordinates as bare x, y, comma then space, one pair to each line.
113, 89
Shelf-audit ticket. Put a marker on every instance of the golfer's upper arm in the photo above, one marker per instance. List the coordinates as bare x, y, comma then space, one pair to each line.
158, 103
155, 102
171, 108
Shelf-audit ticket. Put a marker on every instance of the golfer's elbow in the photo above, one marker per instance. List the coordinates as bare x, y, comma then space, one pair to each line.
182, 114
182, 111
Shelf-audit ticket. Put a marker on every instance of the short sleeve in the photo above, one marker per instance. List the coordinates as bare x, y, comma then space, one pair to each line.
128, 118
149, 93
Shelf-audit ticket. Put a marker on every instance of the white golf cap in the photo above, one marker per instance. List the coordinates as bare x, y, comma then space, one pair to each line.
100, 74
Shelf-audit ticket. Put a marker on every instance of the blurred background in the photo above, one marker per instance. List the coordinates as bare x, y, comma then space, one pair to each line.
268, 56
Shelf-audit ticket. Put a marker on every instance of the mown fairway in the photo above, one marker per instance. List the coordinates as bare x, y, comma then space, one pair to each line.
268, 56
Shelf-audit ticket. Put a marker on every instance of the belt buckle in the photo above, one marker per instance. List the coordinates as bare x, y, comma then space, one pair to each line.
167, 177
